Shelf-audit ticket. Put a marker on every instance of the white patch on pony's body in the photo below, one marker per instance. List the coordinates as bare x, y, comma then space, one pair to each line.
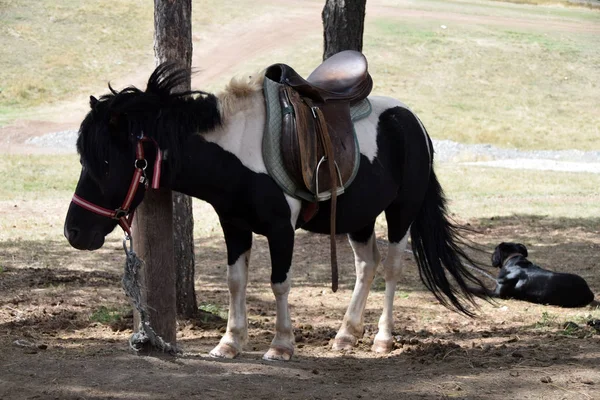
295, 206
242, 107
366, 128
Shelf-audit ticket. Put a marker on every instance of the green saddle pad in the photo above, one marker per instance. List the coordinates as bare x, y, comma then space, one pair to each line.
271, 145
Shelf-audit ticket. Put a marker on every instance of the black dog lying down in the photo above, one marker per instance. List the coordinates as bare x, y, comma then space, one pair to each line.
520, 279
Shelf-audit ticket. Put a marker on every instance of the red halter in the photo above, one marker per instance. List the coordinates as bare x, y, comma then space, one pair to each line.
122, 214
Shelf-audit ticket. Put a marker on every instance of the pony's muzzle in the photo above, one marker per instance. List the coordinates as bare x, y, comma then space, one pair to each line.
83, 240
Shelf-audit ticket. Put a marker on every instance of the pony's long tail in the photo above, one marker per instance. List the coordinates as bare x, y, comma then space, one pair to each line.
435, 241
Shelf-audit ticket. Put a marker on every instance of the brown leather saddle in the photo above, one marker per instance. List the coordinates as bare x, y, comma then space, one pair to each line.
318, 145
317, 121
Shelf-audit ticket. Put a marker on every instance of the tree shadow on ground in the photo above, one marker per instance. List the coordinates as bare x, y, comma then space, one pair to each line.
48, 290
432, 370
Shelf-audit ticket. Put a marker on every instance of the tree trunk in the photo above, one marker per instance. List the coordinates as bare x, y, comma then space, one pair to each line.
153, 235
183, 239
343, 26
173, 43
153, 243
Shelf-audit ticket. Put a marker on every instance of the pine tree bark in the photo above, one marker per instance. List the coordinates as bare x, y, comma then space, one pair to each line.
183, 239
343, 26
152, 240
173, 43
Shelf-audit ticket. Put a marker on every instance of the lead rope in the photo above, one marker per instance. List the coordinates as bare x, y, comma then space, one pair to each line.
133, 290
131, 275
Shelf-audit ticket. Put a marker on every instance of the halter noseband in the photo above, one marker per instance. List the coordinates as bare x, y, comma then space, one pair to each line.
122, 214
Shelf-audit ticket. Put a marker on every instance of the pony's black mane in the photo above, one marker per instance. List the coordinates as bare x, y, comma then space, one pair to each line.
118, 119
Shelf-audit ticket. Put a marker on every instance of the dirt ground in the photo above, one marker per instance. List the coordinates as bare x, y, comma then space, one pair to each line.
52, 348
55, 345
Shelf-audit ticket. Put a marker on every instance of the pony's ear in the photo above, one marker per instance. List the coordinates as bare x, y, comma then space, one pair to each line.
113, 122
93, 102
117, 127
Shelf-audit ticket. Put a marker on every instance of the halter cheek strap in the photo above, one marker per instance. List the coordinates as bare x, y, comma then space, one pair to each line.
122, 214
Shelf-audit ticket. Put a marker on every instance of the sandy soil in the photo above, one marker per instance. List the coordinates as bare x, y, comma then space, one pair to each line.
52, 348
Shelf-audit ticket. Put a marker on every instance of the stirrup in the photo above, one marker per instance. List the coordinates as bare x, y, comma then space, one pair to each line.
326, 195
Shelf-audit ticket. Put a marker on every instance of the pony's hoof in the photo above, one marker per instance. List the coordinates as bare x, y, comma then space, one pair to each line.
343, 343
278, 354
383, 346
224, 351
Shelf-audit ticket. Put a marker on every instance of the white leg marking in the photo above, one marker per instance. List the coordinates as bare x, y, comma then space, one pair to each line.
392, 267
236, 336
367, 258
282, 346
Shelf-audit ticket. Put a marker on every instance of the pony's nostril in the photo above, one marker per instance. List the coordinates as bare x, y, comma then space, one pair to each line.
71, 234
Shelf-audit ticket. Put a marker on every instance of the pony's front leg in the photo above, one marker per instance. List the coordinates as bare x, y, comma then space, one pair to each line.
281, 248
239, 244
281, 245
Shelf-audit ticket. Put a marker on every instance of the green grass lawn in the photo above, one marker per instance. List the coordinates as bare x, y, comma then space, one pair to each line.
45, 185
476, 71
38, 176
526, 80
481, 192
53, 51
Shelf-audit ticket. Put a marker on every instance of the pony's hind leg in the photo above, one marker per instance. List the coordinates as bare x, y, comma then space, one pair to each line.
399, 216
367, 258
392, 269
239, 244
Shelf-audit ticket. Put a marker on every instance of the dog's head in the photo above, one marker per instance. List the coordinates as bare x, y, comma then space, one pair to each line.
505, 250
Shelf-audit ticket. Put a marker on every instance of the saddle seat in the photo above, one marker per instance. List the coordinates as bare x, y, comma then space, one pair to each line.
341, 78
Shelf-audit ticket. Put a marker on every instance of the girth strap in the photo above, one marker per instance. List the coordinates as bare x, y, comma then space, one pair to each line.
325, 141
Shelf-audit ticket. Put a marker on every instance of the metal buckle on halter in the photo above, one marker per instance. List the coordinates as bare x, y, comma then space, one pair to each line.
120, 213
142, 166
145, 165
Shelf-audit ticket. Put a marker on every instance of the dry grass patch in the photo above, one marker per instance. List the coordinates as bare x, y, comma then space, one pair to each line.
480, 192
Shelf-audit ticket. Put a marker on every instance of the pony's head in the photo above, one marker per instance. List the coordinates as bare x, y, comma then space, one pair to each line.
119, 131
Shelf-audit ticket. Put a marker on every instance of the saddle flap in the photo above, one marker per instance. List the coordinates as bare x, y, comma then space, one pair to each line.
299, 144
303, 149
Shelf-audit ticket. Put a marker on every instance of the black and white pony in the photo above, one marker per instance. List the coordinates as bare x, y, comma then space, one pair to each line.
214, 154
